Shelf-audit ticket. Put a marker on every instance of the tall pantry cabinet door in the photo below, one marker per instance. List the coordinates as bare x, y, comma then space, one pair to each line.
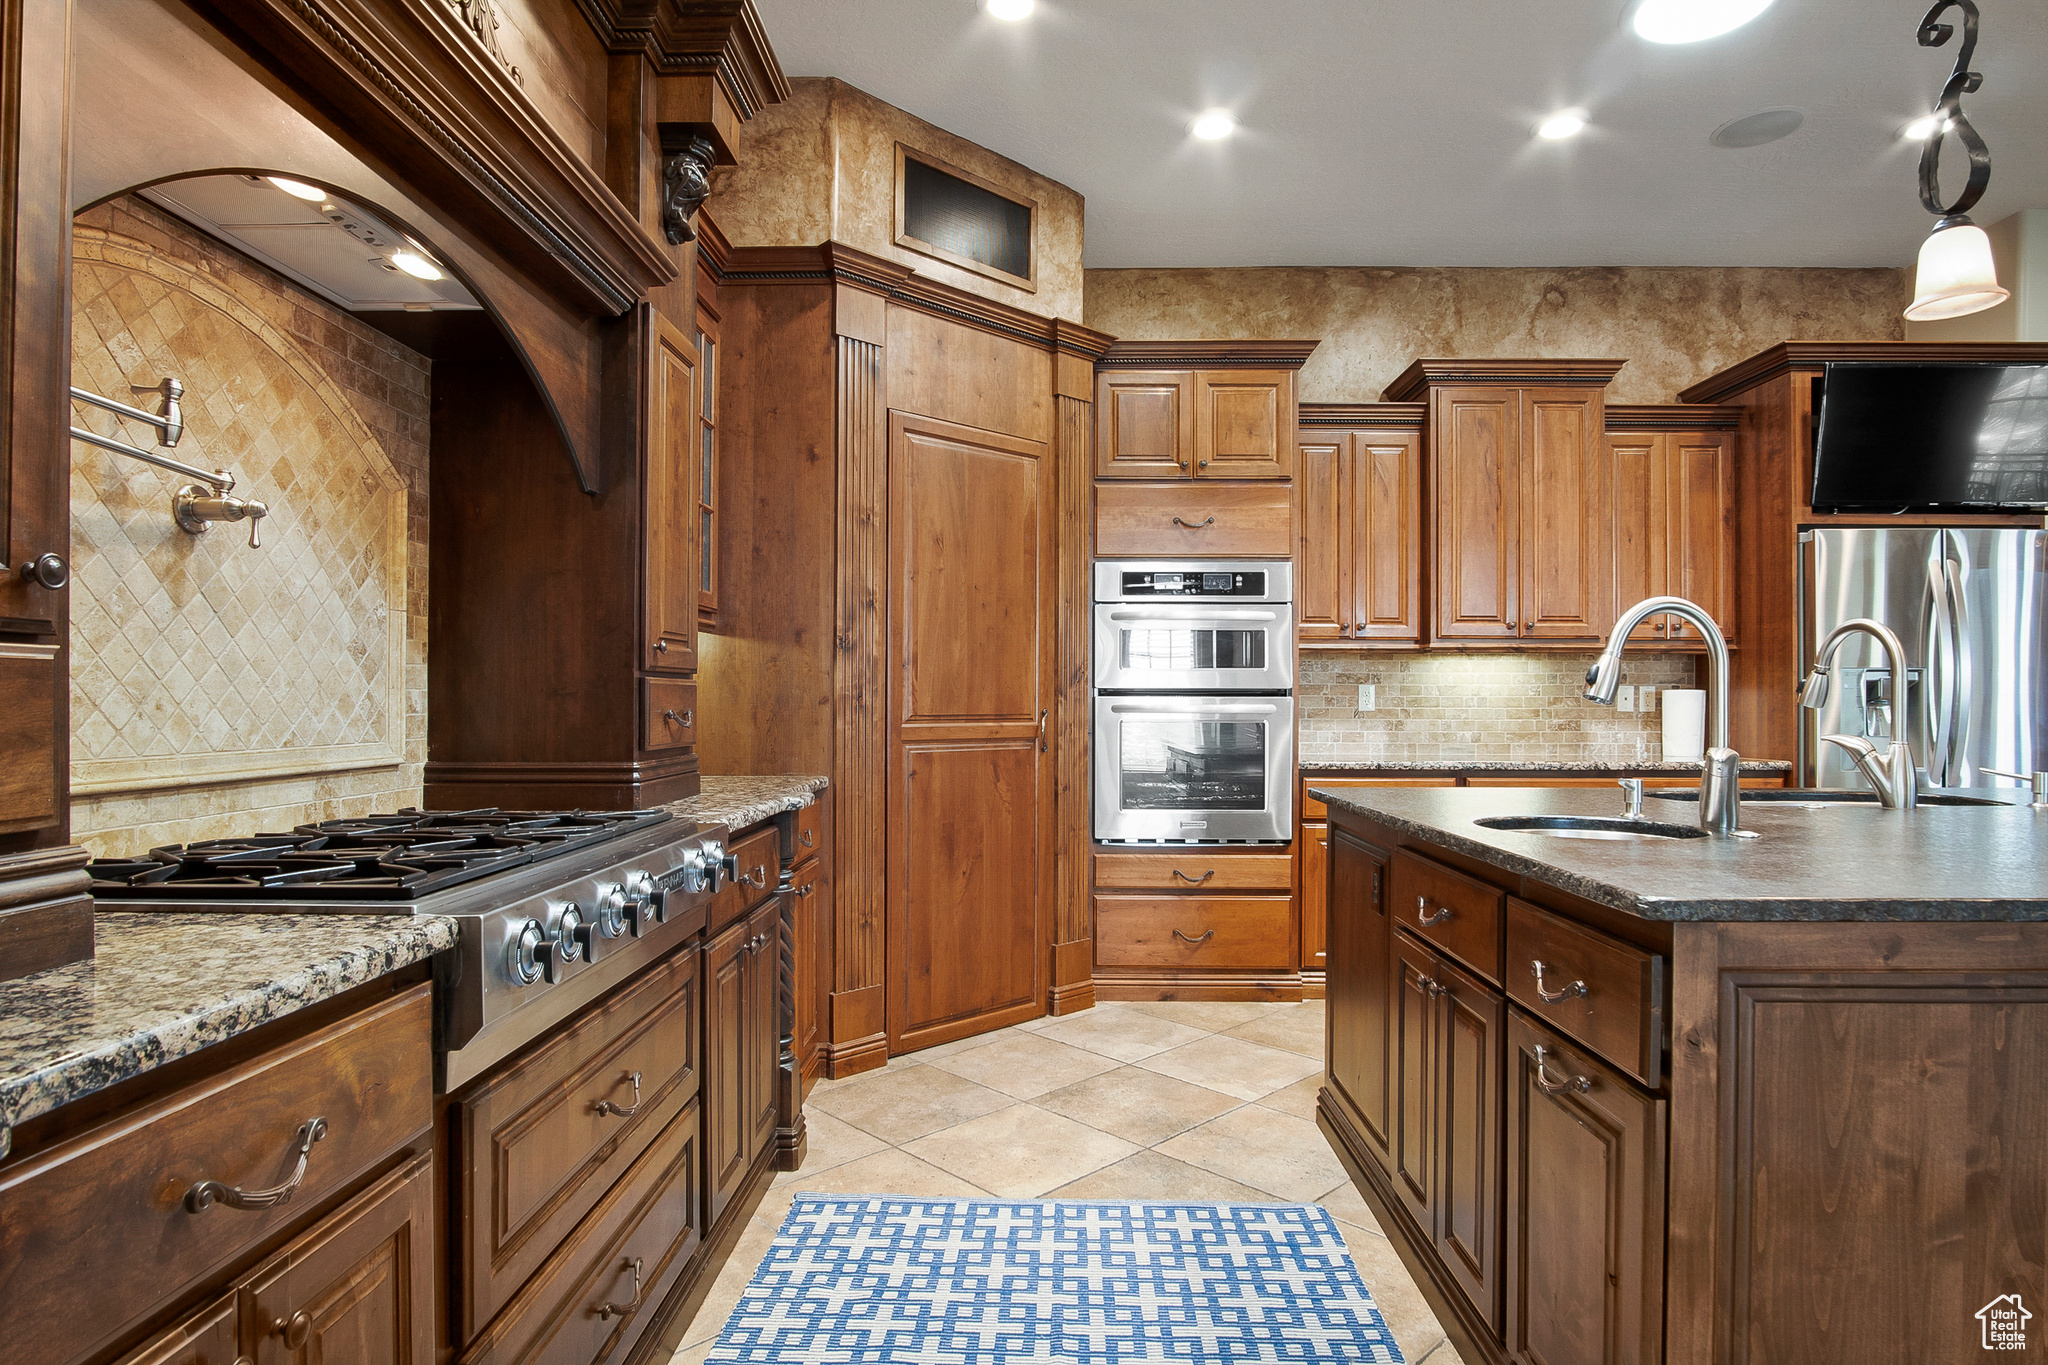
1700, 544
1383, 504
1145, 424
1475, 439
1567, 586
670, 535
1636, 474
970, 783
1320, 536
1244, 424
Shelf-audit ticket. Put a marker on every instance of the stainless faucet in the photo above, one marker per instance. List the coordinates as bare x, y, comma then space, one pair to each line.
1891, 771
1720, 792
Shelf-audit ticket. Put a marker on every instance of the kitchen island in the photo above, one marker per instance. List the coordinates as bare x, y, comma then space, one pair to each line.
1687, 1099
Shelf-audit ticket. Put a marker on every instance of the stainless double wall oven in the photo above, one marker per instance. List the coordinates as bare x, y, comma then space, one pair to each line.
1194, 704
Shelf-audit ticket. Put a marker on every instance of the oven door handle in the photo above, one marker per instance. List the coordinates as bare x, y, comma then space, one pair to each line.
1181, 616
1217, 709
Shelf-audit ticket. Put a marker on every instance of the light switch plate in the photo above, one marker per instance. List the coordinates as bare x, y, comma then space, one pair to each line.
1625, 698
1368, 697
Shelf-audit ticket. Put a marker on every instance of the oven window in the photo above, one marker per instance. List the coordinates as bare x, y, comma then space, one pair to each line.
1170, 649
1193, 765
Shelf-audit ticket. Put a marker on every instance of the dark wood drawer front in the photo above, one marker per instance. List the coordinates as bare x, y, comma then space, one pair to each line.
538, 1152
1195, 931
124, 1185
758, 871
1607, 994
1457, 913
810, 832
581, 1308
1180, 519
1195, 871
670, 719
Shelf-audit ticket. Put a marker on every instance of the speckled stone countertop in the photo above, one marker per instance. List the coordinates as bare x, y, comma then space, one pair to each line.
737, 802
1324, 764
163, 986
1847, 862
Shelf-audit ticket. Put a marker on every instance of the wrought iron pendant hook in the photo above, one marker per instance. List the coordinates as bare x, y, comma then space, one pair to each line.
1950, 117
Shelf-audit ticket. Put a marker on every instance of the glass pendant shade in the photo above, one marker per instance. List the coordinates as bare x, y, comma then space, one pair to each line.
1956, 275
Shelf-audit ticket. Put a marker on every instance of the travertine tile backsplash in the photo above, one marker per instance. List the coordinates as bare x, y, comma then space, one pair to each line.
216, 689
1458, 708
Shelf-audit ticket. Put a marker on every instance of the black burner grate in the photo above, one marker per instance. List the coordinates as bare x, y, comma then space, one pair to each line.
400, 856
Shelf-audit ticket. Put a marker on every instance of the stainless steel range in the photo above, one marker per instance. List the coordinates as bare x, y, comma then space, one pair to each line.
555, 908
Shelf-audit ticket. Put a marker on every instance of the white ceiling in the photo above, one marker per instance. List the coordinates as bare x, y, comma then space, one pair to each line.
1391, 134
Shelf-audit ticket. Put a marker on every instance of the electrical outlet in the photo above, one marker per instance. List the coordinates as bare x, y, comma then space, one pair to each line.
1646, 699
1625, 698
1368, 697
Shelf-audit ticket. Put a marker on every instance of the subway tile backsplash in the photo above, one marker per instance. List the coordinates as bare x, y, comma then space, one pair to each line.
1459, 708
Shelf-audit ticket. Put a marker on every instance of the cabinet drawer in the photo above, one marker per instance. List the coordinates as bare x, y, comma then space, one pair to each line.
1312, 809
1137, 520
1196, 871
809, 836
537, 1153
648, 1218
1607, 994
757, 862
669, 720
1457, 913
123, 1185
1195, 931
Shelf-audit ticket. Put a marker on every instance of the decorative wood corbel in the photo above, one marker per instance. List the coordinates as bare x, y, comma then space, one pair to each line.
686, 160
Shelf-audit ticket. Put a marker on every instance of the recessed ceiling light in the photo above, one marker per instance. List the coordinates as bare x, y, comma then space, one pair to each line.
1214, 125
298, 189
1011, 10
1758, 128
1562, 124
1693, 21
416, 265
1922, 128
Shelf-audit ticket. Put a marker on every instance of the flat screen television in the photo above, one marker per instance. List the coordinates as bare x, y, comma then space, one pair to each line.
1924, 438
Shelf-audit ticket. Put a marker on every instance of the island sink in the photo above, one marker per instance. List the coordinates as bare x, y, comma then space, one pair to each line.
1593, 826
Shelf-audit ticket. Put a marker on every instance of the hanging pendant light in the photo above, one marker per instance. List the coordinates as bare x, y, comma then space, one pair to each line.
1956, 275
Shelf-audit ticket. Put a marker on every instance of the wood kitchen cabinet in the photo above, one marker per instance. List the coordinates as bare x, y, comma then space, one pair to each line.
1520, 499
1672, 470
1197, 410
673, 438
742, 1040
1358, 494
1361, 975
1195, 923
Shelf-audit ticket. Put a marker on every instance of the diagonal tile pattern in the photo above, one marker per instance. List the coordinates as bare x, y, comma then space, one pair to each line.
1151, 1100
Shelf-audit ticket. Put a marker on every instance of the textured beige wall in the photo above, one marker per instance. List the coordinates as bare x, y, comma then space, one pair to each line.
822, 167
1674, 325
218, 690
1461, 708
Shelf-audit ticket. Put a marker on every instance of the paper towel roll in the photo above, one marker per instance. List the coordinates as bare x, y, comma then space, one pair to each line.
1685, 723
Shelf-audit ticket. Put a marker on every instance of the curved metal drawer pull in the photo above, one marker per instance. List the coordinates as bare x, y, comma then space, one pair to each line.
1194, 881
1201, 525
607, 1311
1549, 1087
1203, 939
685, 720
1424, 918
758, 877
803, 836
1577, 988
206, 1193
607, 1107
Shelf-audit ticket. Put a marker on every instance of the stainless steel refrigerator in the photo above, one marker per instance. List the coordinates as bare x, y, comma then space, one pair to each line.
1971, 607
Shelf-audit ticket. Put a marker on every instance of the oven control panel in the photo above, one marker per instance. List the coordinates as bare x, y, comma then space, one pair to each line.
1189, 580
1188, 583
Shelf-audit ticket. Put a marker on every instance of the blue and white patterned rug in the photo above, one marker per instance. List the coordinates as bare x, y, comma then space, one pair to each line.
996, 1282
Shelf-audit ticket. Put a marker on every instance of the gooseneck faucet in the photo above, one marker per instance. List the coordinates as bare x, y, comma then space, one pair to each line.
1891, 772
1720, 791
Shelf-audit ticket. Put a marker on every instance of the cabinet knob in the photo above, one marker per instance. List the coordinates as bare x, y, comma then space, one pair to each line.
1183, 464
47, 570
1528, 626
661, 646
1201, 464
294, 1329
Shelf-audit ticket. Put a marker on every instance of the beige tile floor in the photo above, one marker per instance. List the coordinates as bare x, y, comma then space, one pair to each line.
1159, 1100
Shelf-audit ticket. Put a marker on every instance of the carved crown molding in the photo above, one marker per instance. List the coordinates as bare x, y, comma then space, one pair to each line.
1417, 379
1207, 355
1392, 416
723, 38
1788, 356
1671, 416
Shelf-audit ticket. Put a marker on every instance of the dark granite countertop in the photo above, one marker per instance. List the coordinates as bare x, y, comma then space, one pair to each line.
163, 986
1760, 768
1848, 862
737, 802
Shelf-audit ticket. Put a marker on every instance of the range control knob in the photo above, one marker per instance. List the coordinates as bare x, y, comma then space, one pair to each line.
703, 866
611, 910
522, 955
643, 908
555, 954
